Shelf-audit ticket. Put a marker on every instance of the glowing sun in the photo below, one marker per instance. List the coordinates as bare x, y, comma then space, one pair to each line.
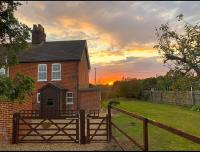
111, 83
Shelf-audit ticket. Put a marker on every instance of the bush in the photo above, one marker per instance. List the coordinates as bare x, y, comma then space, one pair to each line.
128, 88
12, 89
196, 108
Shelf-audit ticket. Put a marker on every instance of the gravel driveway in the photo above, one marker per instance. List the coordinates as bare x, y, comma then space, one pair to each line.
59, 147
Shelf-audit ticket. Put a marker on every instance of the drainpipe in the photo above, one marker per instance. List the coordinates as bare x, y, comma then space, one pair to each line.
77, 87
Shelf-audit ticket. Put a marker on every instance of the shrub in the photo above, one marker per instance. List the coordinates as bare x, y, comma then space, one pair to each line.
196, 108
12, 89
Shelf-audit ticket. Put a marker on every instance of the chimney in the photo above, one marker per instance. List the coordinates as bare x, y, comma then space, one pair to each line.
38, 34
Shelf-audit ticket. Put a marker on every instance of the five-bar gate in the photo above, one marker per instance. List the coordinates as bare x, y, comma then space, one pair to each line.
30, 126
97, 128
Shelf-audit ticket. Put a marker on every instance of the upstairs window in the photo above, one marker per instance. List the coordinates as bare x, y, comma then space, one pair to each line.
2, 71
42, 72
69, 97
56, 71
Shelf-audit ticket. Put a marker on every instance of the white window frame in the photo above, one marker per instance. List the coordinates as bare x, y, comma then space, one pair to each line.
38, 101
55, 71
3, 70
67, 97
43, 71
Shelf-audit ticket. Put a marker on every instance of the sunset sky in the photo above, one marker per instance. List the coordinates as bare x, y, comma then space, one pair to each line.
120, 35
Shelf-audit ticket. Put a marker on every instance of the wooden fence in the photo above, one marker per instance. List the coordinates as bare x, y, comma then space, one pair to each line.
173, 97
146, 122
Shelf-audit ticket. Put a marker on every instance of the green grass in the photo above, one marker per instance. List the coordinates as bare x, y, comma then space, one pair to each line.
175, 116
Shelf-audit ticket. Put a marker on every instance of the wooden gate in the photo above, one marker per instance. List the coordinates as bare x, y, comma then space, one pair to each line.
97, 128
32, 126
29, 126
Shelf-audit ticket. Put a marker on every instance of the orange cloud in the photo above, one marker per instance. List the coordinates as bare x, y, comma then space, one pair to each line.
109, 79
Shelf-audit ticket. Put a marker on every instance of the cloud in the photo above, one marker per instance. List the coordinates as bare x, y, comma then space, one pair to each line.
125, 22
118, 33
130, 67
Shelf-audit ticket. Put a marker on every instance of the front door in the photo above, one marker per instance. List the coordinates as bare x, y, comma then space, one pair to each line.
50, 103
51, 106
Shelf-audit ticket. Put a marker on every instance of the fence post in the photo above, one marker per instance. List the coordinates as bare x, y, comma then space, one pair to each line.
145, 133
15, 128
77, 130
192, 96
88, 130
109, 123
161, 96
82, 127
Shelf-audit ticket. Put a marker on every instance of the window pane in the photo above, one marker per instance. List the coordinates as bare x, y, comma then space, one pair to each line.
69, 94
42, 72
56, 75
42, 75
42, 67
69, 97
70, 100
56, 67
2, 71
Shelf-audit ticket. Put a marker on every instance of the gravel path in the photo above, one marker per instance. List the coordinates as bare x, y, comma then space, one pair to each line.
59, 147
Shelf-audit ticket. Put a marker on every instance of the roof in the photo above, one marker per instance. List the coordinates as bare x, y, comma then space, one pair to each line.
55, 85
55, 51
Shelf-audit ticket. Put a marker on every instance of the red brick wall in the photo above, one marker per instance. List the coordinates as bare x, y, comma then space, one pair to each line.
7, 109
90, 100
69, 71
83, 72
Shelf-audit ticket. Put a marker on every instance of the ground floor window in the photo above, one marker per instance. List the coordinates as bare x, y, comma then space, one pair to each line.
2, 71
38, 98
69, 97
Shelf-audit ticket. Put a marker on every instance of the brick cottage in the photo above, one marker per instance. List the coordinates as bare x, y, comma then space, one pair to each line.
63, 64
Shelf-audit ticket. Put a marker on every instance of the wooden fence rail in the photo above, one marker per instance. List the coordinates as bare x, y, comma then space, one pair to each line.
145, 146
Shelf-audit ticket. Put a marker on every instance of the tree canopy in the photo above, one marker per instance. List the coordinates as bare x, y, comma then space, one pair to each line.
13, 34
13, 40
181, 49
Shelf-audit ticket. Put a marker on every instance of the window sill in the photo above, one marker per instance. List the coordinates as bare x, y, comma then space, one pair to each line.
69, 103
41, 80
55, 79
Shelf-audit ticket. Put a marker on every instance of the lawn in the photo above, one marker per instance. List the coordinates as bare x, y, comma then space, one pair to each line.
175, 116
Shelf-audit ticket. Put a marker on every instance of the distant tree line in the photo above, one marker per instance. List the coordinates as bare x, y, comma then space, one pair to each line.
132, 88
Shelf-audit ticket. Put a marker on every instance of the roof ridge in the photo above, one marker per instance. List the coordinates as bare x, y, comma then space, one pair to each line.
59, 41
65, 41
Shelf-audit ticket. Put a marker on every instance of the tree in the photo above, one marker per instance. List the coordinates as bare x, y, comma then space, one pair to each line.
129, 88
15, 88
182, 49
13, 34
149, 83
13, 40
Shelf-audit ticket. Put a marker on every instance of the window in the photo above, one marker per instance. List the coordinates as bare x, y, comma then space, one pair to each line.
50, 102
2, 71
38, 98
56, 71
69, 98
42, 72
